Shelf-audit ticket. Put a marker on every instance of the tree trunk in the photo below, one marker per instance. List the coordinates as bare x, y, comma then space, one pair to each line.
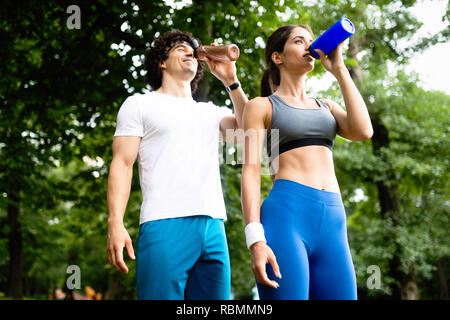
409, 288
112, 291
15, 248
443, 289
388, 194
203, 89
355, 71
203, 85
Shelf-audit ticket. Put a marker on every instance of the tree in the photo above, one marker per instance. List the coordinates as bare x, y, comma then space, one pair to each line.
56, 84
372, 50
61, 90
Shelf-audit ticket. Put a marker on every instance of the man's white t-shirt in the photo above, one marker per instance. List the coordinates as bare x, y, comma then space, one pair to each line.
178, 155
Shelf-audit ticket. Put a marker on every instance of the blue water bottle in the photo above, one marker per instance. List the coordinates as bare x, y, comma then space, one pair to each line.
331, 38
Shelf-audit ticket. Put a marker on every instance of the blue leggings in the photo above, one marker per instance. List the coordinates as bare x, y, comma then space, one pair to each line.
306, 229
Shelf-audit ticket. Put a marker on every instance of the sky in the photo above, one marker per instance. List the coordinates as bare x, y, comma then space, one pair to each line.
433, 65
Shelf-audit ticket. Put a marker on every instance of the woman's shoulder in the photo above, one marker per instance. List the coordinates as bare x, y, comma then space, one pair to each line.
258, 110
258, 103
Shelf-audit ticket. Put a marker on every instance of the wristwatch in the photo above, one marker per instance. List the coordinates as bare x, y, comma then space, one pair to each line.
232, 87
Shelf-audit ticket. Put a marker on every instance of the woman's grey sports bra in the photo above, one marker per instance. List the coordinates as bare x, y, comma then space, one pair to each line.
299, 127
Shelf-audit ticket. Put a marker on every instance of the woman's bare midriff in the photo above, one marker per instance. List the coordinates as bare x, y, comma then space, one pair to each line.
310, 165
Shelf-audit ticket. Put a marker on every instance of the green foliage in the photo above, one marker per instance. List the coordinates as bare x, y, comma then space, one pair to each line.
417, 161
60, 91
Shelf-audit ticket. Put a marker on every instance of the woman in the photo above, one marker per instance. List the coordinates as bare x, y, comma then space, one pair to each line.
300, 229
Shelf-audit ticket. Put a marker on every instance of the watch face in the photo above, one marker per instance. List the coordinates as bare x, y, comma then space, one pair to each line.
232, 87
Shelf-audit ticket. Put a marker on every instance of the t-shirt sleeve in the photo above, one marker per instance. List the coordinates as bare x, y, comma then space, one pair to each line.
129, 119
222, 112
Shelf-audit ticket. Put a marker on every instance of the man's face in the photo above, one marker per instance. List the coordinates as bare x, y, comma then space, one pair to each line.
181, 62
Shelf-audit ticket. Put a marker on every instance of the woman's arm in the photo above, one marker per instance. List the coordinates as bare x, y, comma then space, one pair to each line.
354, 122
251, 170
254, 115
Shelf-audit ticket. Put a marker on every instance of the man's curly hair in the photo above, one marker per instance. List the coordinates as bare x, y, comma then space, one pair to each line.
159, 52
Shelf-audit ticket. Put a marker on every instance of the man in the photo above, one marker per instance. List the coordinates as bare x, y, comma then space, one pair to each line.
182, 251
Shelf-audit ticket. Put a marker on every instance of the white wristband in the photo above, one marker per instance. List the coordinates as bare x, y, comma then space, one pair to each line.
254, 232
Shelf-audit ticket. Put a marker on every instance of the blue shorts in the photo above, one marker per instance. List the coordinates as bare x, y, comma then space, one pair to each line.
183, 258
306, 229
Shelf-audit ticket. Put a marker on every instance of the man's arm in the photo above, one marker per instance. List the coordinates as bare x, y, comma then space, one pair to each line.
225, 71
125, 150
235, 121
239, 100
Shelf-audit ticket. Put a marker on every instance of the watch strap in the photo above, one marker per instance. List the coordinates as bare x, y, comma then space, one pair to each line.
232, 87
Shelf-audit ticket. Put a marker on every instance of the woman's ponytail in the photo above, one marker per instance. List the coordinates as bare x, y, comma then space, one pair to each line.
266, 90
270, 80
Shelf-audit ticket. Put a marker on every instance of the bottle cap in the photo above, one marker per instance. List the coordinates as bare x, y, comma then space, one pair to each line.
194, 45
348, 25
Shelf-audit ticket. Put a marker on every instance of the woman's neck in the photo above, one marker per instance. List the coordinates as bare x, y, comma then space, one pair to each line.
292, 85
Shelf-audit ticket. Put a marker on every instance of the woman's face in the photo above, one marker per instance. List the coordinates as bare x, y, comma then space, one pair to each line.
295, 55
